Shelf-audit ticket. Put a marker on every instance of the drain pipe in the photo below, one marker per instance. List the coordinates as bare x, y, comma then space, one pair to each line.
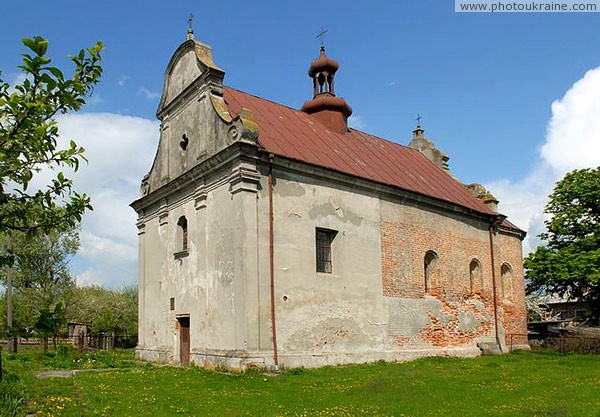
272, 264
491, 229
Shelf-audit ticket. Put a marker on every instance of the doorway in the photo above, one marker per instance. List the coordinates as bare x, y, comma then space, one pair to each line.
184, 340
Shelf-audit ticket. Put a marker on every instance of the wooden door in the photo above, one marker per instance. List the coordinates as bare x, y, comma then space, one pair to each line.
184, 340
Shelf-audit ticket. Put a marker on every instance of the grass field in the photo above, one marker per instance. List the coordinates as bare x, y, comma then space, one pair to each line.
520, 384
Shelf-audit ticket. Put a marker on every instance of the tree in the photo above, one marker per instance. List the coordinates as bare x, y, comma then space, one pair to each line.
569, 264
41, 267
49, 322
29, 140
41, 275
108, 311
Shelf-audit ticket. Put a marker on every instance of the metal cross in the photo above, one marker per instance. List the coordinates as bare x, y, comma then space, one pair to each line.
321, 35
419, 119
190, 19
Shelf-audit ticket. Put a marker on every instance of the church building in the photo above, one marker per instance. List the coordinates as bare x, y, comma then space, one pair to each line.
279, 237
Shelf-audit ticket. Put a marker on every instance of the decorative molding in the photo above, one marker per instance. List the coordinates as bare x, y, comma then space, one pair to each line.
200, 199
244, 179
163, 215
141, 226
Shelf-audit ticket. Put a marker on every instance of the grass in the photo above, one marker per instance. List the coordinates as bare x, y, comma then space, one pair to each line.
520, 384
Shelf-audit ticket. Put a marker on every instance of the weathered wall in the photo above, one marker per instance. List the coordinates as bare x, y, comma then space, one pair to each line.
326, 318
201, 281
450, 313
511, 289
374, 304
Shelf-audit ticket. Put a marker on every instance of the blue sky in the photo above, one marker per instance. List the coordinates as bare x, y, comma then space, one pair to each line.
484, 83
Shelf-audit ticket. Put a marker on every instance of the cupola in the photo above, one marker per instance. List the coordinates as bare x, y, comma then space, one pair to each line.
325, 107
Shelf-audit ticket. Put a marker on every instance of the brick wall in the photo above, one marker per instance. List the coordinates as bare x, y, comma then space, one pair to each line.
466, 313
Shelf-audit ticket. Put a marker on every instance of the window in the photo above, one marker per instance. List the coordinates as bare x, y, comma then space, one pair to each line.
172, 303
475, 277
182, 234
506, 274
324, 237
183, 144
429, 263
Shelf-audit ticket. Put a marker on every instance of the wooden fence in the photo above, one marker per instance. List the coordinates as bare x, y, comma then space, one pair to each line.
562, 342
94, 342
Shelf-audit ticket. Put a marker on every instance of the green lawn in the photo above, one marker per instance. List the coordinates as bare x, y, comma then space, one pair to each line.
520, 384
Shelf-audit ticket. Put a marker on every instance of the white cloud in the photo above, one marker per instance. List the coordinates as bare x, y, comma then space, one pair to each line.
356, 122
120, 150
123, 79
573, 139
572, 142
150, 95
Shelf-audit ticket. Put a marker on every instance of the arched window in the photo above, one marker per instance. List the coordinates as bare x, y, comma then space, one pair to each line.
506, 274
182, 234
475, 277
428, 267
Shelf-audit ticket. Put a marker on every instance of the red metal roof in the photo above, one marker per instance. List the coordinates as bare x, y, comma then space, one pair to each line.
293, 134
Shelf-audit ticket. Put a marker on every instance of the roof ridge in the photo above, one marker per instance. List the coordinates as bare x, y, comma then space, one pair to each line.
293, 134
362, 132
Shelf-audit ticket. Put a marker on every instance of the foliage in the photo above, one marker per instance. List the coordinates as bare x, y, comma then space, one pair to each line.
29, 140
41, 274
12, 395
49, 322
570, 263
109, 311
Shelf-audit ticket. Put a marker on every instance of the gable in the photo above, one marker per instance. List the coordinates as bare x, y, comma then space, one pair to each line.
184, 70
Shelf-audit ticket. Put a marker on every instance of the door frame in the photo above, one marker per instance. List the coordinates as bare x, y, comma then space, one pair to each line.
184, 336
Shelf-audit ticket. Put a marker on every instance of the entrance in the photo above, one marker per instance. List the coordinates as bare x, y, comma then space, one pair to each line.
184, 340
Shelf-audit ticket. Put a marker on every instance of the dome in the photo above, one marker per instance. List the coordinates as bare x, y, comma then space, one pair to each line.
323, 63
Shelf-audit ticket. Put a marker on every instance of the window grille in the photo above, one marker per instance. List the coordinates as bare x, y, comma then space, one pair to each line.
324, 238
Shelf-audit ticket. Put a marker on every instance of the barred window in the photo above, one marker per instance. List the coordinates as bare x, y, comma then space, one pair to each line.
324, 237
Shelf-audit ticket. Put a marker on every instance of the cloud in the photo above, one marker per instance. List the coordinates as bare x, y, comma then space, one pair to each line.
573, 139
123, 79
120, 150
149, 94
391, 83
356, 122
16, 78
572, 142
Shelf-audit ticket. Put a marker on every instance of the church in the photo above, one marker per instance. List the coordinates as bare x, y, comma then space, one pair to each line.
278, 237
